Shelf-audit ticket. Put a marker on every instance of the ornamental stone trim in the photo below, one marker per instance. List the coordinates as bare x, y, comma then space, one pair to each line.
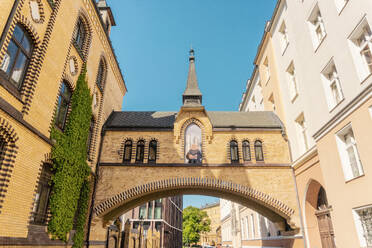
194, 182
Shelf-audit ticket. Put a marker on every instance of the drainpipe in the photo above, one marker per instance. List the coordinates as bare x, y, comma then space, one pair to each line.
95, 183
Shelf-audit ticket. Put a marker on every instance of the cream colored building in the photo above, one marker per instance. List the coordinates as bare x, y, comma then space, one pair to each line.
213, 237
322, 55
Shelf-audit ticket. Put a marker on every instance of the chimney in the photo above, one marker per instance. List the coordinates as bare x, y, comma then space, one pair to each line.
106, 15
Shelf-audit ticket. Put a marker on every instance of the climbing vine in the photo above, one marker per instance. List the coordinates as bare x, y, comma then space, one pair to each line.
71, 171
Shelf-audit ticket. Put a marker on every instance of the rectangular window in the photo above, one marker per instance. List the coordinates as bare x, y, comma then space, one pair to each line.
361, 46
40, 208
252, 227
242, 228
149, 210
142, 212
332, 86
302, 133
348, 150
247, 227
363, 223
157, 214
316, 25
292, 82
284, 37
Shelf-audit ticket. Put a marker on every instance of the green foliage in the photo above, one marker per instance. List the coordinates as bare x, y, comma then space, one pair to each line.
82, 215
195, 221
69, 156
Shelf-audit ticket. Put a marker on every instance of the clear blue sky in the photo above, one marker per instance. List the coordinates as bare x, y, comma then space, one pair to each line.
152, 39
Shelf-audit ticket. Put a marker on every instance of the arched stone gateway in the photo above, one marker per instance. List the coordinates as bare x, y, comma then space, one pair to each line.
196, 160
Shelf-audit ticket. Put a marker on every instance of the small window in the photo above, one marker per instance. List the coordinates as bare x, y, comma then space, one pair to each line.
363, 222
246, 151
292, 82
361, 45
317, 29
149, 209
157, 214
284, 36
80, 35
100, 75
258, 150
348, 150
302, 133
152, 150
332, 85
234, 152
17, 57
127, 151
64, 99
142, 212
140, 151
40, 209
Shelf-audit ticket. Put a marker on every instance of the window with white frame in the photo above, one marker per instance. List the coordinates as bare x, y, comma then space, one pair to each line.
361, 46
332, 86
242, 228
283, 36
348, 150
266, 69
252, 226
316, 25
302, 133
246, 227
340, 4
292, 82
363, 223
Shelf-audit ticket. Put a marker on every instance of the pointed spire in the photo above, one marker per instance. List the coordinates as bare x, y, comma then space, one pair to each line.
192, 94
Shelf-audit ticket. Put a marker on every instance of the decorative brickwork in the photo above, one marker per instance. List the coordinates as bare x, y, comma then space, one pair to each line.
41, 11
8, 134
194, 182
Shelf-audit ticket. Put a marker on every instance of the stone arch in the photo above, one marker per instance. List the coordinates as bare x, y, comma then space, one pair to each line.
182, 135
83, 16
112, 207
9, 135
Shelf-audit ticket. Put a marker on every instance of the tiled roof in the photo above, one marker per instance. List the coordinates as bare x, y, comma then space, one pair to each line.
219, 119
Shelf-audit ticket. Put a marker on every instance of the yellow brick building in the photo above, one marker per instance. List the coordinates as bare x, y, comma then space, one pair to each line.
213, 237
44, 44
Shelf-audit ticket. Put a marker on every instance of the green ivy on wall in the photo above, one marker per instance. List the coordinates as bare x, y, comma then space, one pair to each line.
71, 171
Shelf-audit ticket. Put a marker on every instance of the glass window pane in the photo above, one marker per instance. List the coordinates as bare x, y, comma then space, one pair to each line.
142, 212
61, 113
9, 58
26, 44
149, 210
18, 33
19, 68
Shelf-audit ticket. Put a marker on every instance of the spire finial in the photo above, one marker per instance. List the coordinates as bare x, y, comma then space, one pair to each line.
192, 95
191, 54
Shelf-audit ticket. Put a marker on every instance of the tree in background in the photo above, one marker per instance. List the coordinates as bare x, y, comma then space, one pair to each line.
195, 221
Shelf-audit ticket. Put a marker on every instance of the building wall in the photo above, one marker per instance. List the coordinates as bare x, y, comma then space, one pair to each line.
28, 114
322, 162
213, 237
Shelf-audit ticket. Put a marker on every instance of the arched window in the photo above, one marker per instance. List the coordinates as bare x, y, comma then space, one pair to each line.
246, 151
193, 144
234, 151
127, 151
101, 75
80, 35
258, 150
17, 57
140, 151
64, 99
152, 150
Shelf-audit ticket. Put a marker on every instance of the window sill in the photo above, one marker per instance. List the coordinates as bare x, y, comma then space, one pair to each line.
354, 178
335, 106
14, 91
316, 48
293, 99
343, 7
366, 78
285, 49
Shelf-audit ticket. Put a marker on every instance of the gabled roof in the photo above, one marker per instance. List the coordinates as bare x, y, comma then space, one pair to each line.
219, 119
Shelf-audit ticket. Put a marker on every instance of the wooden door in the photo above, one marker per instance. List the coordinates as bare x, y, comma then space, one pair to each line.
325, 228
